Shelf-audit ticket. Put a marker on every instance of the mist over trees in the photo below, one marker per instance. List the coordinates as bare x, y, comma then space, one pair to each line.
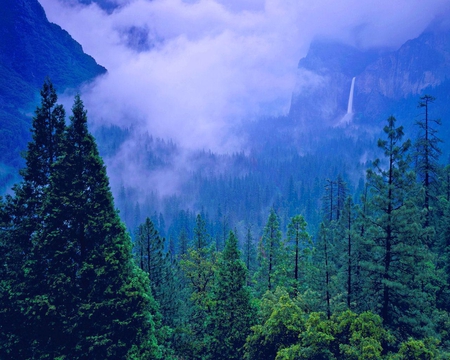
315, 269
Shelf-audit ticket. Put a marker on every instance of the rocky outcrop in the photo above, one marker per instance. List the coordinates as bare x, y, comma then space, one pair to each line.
387, 82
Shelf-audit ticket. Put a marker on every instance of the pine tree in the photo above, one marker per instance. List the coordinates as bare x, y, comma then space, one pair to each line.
298, 244
24, 233
249, 255
160, 268
427, 155
348, 251
231, 312
395, 238
201, 237
149, 248
326, 264
270, 255
81, 294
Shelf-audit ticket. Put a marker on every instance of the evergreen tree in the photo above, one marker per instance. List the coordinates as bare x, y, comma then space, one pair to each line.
81, 295
395, 238
427, 154
116, 303
201, 237
270, 255
160, 268
325, 264
149, 248
231, 312
349, 236
25, 228
249, 255
298, 246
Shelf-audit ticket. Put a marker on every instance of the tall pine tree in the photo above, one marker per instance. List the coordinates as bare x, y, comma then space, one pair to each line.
77, 287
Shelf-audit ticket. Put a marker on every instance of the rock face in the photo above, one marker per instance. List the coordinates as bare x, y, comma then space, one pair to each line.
386, 82
32, 48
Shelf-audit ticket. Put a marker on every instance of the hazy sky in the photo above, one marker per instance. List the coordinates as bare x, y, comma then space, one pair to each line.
215, 63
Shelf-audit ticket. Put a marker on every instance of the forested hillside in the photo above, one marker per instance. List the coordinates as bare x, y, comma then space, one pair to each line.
371, 282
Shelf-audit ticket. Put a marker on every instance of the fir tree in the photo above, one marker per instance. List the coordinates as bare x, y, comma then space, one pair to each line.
115, 314
27, 211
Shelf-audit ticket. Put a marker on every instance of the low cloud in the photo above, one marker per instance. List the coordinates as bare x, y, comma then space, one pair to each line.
194, 70
210, 64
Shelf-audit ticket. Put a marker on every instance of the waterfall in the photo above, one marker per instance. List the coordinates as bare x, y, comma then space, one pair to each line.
348, 117
350, 98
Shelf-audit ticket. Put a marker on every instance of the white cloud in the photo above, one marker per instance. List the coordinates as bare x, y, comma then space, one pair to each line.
219, 62
216, 63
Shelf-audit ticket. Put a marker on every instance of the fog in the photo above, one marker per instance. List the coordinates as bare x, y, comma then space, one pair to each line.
193, 71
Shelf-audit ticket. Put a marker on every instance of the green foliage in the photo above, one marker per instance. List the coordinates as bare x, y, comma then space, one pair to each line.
270, 254
298, 249
418, 350
286, 332
232, 313
398, 263
70, 273
281, 321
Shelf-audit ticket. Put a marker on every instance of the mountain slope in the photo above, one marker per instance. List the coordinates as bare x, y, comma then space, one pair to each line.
32, 48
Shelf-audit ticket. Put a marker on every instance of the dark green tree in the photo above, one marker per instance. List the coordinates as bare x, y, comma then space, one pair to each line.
26, 213
270, 255
298, 247
149, 251
201, 237
115, 314
249, 255
427, 154
398, 263
231, 312
79, 291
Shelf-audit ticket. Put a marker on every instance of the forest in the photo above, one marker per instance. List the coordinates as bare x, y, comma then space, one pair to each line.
325, 272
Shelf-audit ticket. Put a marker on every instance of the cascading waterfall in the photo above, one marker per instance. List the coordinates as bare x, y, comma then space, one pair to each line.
348, 117
350, 98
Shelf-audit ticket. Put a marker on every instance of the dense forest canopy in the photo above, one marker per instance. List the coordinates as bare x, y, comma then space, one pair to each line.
369, 278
